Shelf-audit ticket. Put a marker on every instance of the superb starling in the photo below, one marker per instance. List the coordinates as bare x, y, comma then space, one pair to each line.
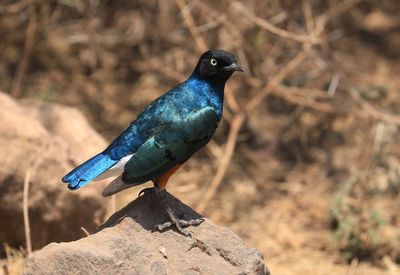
164, 135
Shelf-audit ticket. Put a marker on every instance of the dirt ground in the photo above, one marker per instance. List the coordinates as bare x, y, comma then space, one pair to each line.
314, 181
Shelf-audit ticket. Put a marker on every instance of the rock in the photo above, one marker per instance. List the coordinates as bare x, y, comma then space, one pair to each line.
49, 140
126, 244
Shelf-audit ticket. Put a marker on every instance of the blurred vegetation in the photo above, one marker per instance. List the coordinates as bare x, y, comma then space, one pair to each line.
315, 174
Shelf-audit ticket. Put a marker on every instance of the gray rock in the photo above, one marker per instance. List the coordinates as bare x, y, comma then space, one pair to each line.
126, 244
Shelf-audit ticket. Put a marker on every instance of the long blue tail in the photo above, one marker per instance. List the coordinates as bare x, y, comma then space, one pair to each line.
88, 171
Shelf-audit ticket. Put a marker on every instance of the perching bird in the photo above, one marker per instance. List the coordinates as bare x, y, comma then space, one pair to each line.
165, 134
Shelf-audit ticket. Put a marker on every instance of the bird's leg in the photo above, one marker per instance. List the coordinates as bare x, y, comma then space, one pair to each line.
179, 224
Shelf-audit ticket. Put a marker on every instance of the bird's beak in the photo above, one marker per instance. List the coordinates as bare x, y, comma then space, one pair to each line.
234, 67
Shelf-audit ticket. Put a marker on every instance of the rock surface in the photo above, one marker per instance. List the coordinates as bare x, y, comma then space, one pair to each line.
49, 140
126, 244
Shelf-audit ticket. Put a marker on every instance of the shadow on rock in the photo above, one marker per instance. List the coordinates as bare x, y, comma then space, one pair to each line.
148, 211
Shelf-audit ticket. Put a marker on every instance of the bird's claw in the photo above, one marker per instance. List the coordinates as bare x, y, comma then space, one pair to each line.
179, 224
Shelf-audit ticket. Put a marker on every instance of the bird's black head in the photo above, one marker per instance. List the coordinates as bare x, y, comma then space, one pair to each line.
217, 65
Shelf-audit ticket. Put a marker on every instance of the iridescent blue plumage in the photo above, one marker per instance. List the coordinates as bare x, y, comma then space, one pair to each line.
169, 130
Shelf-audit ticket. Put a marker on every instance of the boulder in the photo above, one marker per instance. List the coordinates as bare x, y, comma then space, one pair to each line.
127, 244
48, 140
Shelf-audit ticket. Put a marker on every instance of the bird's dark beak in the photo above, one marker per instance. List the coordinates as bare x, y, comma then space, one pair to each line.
234, 67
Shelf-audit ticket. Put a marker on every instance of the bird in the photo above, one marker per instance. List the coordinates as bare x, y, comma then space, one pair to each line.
164, 135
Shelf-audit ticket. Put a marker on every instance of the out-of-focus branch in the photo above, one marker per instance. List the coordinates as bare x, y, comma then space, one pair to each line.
25, 205
187, 16
13, 8
341, 8
289, 67
25, 209
264, 24
374, 112
26, 56
256, 100
305, 92
283, 92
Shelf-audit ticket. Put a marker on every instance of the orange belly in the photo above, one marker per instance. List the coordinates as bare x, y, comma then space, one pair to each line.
162, 180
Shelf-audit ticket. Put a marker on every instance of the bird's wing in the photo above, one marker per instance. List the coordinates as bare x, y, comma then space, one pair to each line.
171, 145
150, 121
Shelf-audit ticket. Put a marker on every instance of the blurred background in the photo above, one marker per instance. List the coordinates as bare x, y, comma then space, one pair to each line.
304, 167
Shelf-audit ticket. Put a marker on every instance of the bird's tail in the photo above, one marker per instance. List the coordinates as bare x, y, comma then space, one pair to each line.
115, 186
88, 171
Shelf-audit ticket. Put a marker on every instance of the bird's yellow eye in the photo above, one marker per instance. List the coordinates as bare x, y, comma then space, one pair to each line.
214, 62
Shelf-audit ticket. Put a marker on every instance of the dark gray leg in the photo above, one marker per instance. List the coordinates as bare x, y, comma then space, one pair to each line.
179, 224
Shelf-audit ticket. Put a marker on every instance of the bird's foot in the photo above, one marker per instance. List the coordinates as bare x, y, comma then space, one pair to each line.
179, 224
146, 190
